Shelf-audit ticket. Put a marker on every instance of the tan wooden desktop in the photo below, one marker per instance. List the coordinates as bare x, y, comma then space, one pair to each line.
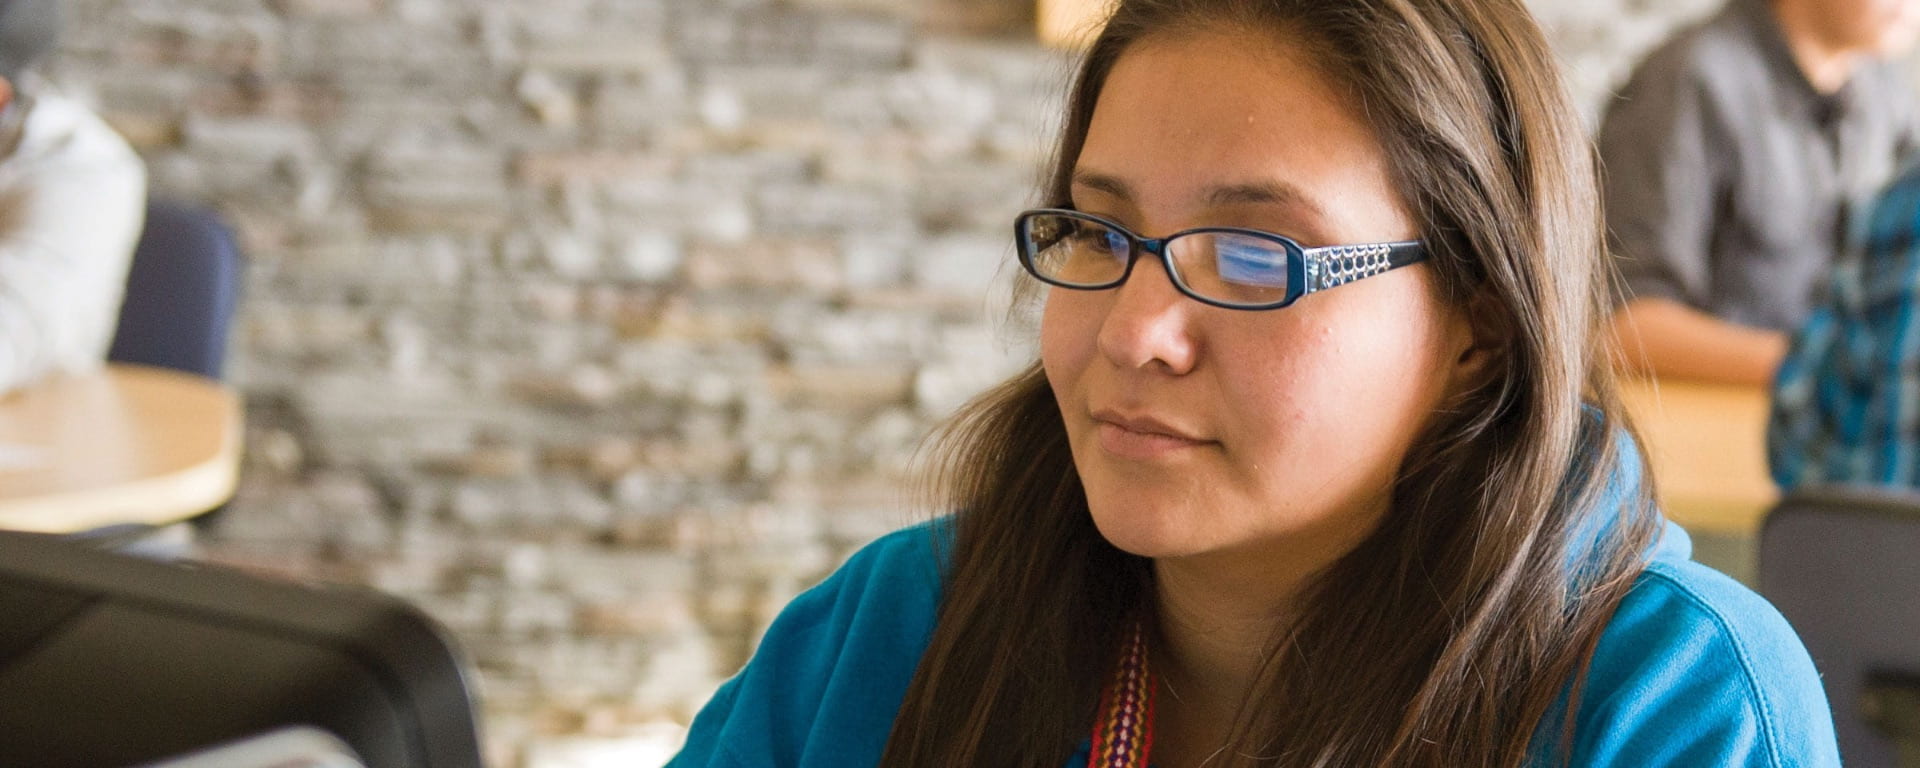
1707, 446
126, 444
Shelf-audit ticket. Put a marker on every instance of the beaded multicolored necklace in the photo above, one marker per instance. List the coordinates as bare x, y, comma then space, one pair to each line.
1123, 731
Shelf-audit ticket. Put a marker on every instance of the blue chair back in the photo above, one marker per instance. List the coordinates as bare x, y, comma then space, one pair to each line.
181, 292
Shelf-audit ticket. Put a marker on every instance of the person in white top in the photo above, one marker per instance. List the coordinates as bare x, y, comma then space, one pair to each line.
72, 202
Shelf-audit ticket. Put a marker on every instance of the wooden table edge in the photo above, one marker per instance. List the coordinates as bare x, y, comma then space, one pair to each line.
198, 489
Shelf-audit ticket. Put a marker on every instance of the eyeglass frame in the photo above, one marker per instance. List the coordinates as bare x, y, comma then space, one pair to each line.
1309, 270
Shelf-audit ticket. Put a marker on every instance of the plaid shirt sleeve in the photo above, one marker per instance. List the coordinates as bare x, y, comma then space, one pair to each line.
1846, 405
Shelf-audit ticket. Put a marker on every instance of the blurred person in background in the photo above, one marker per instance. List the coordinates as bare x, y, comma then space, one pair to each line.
1846, 406
72, 201
1729, 161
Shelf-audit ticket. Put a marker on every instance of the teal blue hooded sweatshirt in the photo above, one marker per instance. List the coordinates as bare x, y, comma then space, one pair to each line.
1693, 670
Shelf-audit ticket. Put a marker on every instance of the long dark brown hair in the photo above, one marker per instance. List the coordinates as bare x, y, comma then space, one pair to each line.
1449, 636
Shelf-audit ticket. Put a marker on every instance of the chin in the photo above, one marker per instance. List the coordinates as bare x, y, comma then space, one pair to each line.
1140, 527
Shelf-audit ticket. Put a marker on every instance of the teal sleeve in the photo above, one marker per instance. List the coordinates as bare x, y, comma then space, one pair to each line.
1696, 670
830, 673
704, 745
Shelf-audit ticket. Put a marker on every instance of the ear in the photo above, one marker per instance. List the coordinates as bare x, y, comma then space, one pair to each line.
1480, 337
6, 93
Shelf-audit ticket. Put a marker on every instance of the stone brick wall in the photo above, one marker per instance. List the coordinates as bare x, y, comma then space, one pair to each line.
600, 328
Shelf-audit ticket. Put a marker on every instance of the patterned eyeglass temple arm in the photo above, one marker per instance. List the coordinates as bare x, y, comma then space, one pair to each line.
1342, 264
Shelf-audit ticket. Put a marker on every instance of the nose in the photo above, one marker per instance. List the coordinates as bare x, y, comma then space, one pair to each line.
1149, 322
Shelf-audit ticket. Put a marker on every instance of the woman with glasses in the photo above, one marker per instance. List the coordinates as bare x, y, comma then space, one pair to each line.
1321, 463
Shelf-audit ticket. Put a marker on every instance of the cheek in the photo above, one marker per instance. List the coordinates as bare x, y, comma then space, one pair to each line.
1069, 329
1283, 374
1354, 386
1284, 398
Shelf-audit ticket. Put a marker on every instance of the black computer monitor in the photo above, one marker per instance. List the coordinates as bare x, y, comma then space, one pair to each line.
109, 659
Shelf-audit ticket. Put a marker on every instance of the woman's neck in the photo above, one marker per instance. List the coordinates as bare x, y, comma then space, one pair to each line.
1212, 632
1215, 624
1219, 614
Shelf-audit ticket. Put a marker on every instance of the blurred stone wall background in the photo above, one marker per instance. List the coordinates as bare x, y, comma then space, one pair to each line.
600, 328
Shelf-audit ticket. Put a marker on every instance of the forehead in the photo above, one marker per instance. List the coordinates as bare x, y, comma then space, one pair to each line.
1181, 117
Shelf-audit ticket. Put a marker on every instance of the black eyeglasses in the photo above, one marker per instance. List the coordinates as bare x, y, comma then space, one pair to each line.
1223, 266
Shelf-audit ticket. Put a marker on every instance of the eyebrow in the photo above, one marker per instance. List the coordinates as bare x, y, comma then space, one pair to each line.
1266, 192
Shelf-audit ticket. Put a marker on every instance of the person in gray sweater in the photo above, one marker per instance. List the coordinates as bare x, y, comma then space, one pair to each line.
1731, 157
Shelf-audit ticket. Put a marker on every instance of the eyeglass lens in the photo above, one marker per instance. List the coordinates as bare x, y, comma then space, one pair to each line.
1228, 267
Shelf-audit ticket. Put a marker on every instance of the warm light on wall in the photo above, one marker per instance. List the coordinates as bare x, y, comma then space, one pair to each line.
1071, 23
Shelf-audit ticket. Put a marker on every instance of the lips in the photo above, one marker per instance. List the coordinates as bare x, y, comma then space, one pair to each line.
1142, 437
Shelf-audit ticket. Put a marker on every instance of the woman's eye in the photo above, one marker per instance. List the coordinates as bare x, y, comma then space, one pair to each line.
1098, 239
1250, 264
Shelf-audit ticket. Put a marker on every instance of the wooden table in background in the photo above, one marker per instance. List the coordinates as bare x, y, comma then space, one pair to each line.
126, 444
1707, 446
